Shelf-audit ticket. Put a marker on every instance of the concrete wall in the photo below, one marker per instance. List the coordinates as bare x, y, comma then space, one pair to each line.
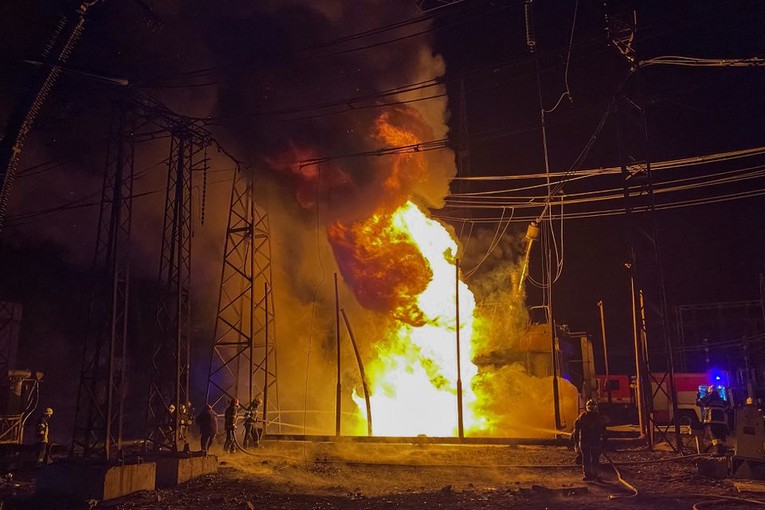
175, 471
95, 481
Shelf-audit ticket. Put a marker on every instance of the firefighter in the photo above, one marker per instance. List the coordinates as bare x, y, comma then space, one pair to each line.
43, 432
184, 422
208, 428
230, 424
251, 430
588, 434
714, 410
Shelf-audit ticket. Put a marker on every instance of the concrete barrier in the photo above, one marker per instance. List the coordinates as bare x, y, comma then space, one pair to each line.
96, 481
172, 471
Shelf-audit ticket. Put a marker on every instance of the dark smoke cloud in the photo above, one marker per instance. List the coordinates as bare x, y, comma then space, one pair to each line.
260, 58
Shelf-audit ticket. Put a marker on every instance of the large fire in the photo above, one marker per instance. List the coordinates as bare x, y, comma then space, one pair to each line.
401, 262
408, 260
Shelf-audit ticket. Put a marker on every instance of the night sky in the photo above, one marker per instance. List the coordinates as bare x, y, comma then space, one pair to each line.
269, 77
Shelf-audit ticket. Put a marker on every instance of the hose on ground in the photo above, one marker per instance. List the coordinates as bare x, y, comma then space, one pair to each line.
715, 499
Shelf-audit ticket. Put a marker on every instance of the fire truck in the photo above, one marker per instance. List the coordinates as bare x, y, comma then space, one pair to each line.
616, 395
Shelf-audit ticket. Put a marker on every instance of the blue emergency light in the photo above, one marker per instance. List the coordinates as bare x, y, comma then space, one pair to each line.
717, 376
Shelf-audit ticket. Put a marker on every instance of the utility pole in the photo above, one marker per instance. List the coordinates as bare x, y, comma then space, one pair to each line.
544, 218
605, 349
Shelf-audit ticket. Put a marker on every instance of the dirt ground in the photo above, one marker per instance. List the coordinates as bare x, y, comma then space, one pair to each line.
301, 475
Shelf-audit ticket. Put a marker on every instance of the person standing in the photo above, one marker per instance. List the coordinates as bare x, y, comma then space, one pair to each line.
714, 410
184, 422
251, 431
589, 431
208, 427
230, 424
43, 434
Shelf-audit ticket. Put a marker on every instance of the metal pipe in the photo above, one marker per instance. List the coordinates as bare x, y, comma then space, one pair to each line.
636, 338
605, 349
460, 422
265, 372
361, 371
648, 393
338, 409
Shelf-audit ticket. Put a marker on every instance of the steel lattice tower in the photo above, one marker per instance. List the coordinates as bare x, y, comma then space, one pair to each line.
10, 326
243, 360
645, 261
170, 355
98, 418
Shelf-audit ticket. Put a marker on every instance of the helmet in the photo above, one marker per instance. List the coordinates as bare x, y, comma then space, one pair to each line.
749, 401
171, 408
590, 405
49, 411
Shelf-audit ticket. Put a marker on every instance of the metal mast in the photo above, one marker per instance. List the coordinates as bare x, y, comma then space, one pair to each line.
98, 418
243, 359
170, 356
10, 327
643, 237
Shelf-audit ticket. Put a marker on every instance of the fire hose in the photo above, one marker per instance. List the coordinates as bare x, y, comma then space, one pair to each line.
239, 447
696, 506
714, 499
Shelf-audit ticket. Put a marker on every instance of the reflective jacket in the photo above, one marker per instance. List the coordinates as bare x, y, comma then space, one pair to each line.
42, 429
714, 408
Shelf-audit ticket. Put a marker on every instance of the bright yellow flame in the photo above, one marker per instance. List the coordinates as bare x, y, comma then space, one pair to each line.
413, 380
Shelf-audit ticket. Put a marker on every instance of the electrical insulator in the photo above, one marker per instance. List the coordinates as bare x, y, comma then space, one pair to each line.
531, 40
532, 233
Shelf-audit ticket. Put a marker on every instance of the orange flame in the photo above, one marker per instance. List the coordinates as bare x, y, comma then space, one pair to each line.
401, 262
407, 261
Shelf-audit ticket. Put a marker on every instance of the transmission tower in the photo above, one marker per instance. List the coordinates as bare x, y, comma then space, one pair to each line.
10, 327
98, 418
243, 360
55, 54
170, 356
645, 262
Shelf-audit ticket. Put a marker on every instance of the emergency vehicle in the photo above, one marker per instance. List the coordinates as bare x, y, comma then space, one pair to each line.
689, 387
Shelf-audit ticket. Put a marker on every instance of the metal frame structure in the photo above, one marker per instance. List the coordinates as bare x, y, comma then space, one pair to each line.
10, 326
98, 418
243, 359
649, 293
170, 355
723, 336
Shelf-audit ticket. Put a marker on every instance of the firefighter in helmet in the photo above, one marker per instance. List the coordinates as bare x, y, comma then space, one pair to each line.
42, 435
252, 432
714, 411
184, 423
229, 417
589, 431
